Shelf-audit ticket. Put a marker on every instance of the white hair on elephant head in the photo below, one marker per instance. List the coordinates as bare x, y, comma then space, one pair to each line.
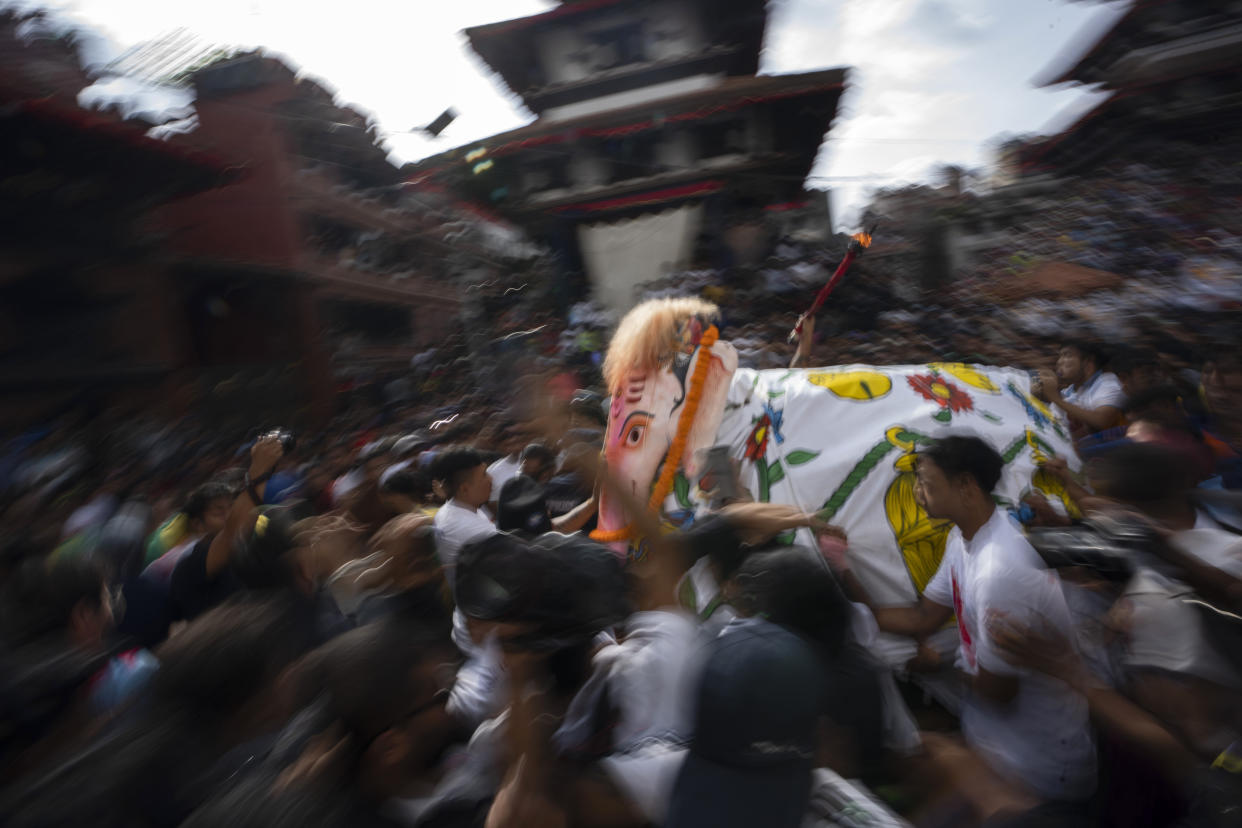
649, 335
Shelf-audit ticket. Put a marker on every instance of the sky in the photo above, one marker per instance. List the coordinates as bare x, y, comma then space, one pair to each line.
932, 81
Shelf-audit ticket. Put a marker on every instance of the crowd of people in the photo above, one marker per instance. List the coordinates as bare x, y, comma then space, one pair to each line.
398, 618
410, 627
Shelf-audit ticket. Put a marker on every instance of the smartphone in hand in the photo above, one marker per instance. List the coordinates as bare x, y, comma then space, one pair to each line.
719, 476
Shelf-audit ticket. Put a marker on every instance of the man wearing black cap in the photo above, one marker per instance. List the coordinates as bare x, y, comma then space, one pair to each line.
523, 504
753, 750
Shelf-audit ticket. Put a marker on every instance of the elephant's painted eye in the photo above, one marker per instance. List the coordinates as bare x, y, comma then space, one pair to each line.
634, 430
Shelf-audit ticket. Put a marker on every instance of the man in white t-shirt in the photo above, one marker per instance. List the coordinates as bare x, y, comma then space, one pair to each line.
506, 468
1032, 729
463, 476
1092, 398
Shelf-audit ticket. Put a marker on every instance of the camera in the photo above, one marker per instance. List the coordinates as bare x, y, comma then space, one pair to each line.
288, 440
1105, 545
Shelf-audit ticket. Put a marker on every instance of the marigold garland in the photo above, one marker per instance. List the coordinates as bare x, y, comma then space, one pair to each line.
672, 458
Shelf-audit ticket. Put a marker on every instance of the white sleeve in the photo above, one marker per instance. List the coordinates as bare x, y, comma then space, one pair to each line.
651, 677
477, 694
939, 589
647, 777
1107, 391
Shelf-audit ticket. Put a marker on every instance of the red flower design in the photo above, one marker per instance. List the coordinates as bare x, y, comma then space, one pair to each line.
942, 392
757, 442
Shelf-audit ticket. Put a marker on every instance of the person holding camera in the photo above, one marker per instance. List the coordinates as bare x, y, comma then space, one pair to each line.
203, 578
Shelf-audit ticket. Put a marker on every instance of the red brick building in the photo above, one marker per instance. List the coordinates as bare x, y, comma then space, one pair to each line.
87, 316
316, 255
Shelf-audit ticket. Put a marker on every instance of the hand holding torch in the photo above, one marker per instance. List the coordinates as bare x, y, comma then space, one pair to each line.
858, 243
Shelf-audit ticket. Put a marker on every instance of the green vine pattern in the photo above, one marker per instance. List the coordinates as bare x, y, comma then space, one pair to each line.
864, 467
772, 473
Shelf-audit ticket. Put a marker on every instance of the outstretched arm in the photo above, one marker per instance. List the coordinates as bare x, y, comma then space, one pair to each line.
577, 517
916, 620
264, 455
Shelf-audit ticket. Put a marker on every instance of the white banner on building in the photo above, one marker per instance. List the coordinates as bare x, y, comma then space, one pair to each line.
622, 255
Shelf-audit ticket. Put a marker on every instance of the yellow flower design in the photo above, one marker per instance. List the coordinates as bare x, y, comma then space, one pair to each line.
853, 385
920, 538
967, 374
1051, 486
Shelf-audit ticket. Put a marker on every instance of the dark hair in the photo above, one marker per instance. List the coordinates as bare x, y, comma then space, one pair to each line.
452, 466
1141, 474
366, 674
409, 482
539, 453
227, 655
494, 579
956, 456
233, 479
792, 587
1088, 350
1137, 404
590, 405
568, 588
200, 499
377, 450
39, 597
1133, 359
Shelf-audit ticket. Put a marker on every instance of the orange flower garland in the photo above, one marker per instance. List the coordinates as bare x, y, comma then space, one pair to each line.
672, 458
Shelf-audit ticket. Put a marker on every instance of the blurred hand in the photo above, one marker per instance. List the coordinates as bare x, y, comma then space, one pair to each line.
520, 804
524, 798
926, 660
1045, 515
1046, 651
805, 340
1048, 388
757, 522
321, 760
834, 546
264, 455
807, 321
1057, 466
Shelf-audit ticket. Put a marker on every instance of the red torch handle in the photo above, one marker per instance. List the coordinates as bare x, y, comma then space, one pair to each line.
827, 289
859, 244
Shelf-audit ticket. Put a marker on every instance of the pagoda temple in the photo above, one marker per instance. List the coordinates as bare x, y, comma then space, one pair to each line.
1173, 71
656, 143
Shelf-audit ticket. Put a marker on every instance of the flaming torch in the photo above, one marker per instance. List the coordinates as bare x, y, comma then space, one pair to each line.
858, 243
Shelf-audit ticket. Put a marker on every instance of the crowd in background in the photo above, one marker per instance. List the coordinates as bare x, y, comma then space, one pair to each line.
396, 618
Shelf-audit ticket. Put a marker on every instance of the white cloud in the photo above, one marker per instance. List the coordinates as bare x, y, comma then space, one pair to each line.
134, 98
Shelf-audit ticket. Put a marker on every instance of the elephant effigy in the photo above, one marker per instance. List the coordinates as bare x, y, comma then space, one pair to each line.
839, 441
